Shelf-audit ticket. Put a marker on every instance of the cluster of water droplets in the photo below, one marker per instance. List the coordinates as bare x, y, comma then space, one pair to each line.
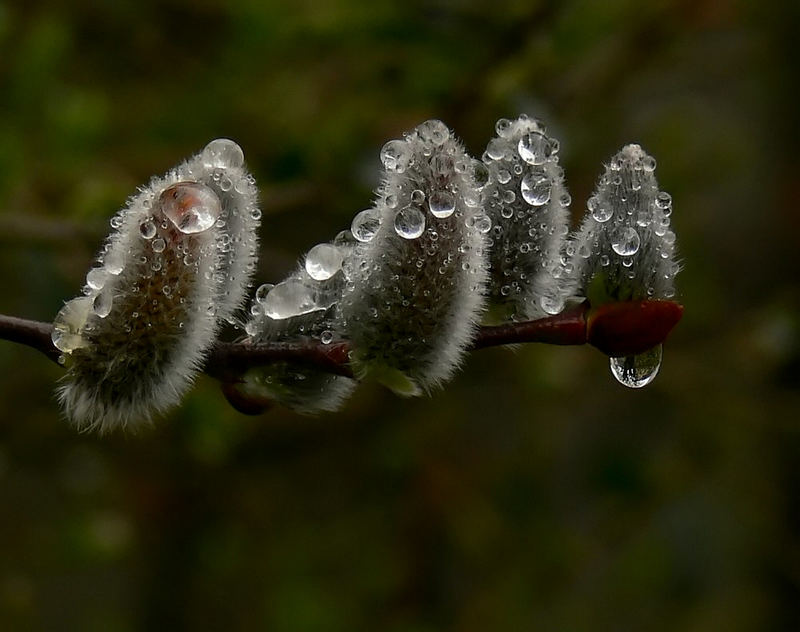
528, 204
626, 243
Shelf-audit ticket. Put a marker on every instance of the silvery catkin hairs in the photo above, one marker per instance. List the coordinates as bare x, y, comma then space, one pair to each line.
416, 280
528, 204
134, 341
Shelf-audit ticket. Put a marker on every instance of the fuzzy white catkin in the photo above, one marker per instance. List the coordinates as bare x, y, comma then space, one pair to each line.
150, 311
625, 248
417, 278
300, 308
528, 204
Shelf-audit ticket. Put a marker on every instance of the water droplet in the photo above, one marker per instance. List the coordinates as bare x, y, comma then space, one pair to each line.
638, 370
600, 212
535, 188
409, 222
395, 156
96, 278
625, 241
223, 152
442, 204
503, 127
535, 148
101, 305
503, 176
326, 337
434, 131
323, 261
649, 163
663, 200
159, 245
417, 196
496, 149
114, 262
483, 224
551, 302
366, 224
147, 229
69, 323
115, 221
190, 206
262, 291
480, 174
289, 298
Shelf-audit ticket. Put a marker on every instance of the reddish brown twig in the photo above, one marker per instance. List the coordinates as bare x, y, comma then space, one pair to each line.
616, 329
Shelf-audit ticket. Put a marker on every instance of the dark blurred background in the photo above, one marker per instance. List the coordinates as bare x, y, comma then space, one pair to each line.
533, 492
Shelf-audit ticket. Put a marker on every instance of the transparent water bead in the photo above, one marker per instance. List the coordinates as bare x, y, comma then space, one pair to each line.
599, 211
442, 204
551, 302
365, 225
323, 261
147, 229
625, 241
114, 262
395, 156
192, 207
223, 152
96, 278
535, 189
102, 303
535, 148
434, 131
409, 222
69, 323
289, 298
262, 291
638, 370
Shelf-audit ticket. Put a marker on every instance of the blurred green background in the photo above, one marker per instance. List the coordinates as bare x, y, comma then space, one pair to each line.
534, 492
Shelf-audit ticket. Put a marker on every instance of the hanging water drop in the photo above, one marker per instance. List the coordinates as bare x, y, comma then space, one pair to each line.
69, 323
639, 370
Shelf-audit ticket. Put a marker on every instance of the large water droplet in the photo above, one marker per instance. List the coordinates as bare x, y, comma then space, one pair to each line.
289, 298
96, 278
535, 148
638, 370
600, 212
535, 188
395, 156
323, 261
409, 222
190, 206
442, 204
365, 225
102, 304
114, 262
69, 323
625, 241
223, 152
434, 131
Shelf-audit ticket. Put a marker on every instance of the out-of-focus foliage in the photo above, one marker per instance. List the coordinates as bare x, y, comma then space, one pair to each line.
534, 492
